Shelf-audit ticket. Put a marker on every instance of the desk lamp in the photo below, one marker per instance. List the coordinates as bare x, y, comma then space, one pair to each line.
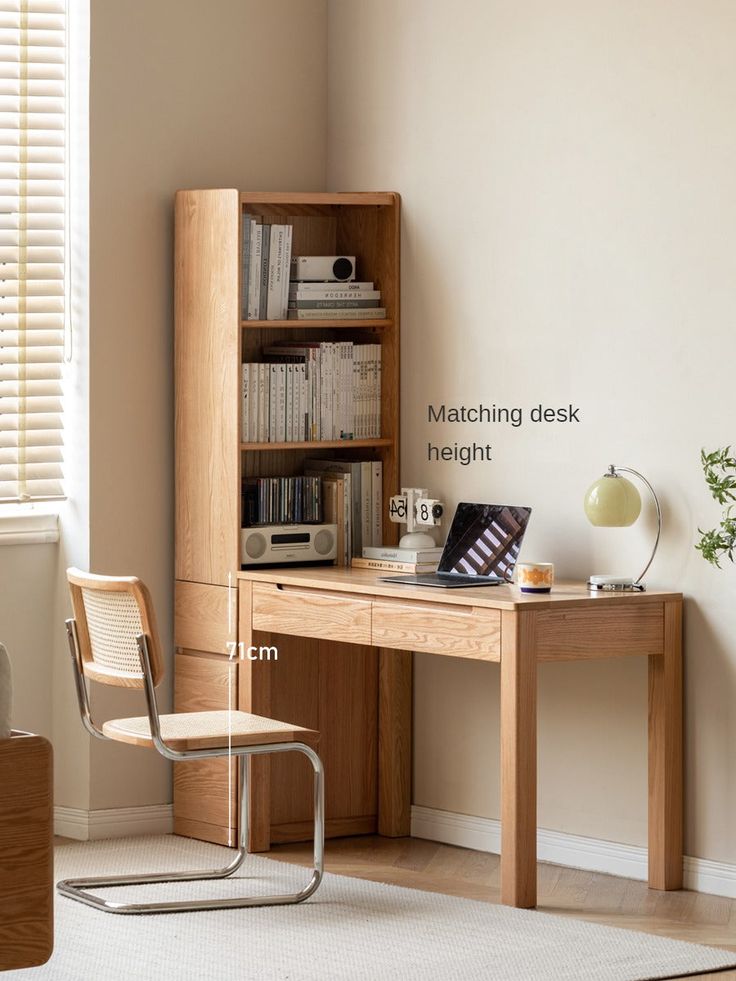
614, 502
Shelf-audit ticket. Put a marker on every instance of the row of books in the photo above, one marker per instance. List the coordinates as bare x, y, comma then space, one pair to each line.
382, 558
312, 391
282, 500
352, 499
266, 257
352, 300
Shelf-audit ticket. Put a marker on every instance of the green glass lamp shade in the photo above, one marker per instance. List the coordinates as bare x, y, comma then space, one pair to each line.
612, 502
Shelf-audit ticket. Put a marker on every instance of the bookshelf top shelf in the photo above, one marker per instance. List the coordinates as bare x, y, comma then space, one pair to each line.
354, 323
319, 197
322, 444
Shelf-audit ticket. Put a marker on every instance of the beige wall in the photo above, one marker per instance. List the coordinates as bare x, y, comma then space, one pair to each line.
567, 175
183, 94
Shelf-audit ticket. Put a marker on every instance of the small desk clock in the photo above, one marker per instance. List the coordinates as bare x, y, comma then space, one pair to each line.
414, 508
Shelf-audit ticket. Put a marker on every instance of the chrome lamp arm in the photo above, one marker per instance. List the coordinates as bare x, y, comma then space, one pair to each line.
643, 479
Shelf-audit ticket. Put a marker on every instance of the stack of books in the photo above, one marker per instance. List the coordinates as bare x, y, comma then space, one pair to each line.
312, 391
352, 496
281, 500
384, 558
335, 300
266, 254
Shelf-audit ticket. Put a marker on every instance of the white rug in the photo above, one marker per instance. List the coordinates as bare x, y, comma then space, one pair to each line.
351, 929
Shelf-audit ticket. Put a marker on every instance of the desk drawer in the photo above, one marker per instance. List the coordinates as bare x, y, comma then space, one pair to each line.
437, 628
311, 613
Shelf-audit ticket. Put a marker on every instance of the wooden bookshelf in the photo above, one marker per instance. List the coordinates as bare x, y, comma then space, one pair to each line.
211, 461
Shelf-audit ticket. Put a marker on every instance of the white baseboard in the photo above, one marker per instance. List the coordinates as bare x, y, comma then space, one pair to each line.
116, 822
574, 851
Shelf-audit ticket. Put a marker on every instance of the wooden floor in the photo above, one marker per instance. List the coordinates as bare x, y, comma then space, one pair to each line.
605, 899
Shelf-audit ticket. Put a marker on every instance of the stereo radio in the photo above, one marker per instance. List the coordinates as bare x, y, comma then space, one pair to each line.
286, 544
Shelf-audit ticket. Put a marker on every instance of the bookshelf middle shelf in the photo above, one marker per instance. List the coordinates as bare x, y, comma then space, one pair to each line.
322, 444
307, 324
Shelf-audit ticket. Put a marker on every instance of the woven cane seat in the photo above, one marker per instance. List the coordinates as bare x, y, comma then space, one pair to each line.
208, 730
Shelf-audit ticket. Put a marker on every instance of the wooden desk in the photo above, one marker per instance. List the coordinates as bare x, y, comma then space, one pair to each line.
497, 624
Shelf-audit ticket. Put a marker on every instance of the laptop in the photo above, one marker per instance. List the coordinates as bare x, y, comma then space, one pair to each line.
481, 549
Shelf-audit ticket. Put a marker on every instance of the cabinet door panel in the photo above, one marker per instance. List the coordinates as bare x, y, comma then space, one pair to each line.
205, 790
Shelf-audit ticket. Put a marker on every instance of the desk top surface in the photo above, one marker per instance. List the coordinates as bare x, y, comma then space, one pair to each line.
365, 582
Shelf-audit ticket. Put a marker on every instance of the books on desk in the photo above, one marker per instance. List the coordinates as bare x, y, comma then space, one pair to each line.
386, 565
387, 558
411, 556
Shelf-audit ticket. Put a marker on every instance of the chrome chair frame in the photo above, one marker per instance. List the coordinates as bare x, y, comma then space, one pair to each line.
78, 888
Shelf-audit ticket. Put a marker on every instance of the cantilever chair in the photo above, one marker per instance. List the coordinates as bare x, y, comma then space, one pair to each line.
113, 640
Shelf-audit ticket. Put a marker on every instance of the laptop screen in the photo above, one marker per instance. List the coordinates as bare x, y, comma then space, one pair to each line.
485, 540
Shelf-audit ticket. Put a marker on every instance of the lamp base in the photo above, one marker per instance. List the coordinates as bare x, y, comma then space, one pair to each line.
617, 584
417, 540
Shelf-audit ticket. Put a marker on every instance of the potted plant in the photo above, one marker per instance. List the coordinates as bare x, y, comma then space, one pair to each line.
719, 468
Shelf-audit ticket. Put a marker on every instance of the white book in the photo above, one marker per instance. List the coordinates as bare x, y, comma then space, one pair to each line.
254, 282
258, 396
296, 435
340, 390
322, 396
311, 388
395, 554
304, 418
317, 383
272, 403
245, 403
351, 313
296, 404
289, 398
370, 381
378, 392
377, 502
324, 382
296, 400
362, 428
285, 269
331, 391
275, 273
320, 287
265, 266
266, 401
349, 382
372, 393
363, 391
281, 404
244, 264
321, 296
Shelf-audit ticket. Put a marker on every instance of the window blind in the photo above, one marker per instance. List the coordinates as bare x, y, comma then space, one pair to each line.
32, 246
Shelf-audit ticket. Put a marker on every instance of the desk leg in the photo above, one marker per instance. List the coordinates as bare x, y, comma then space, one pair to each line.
665, 755
394, 743
518, 760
